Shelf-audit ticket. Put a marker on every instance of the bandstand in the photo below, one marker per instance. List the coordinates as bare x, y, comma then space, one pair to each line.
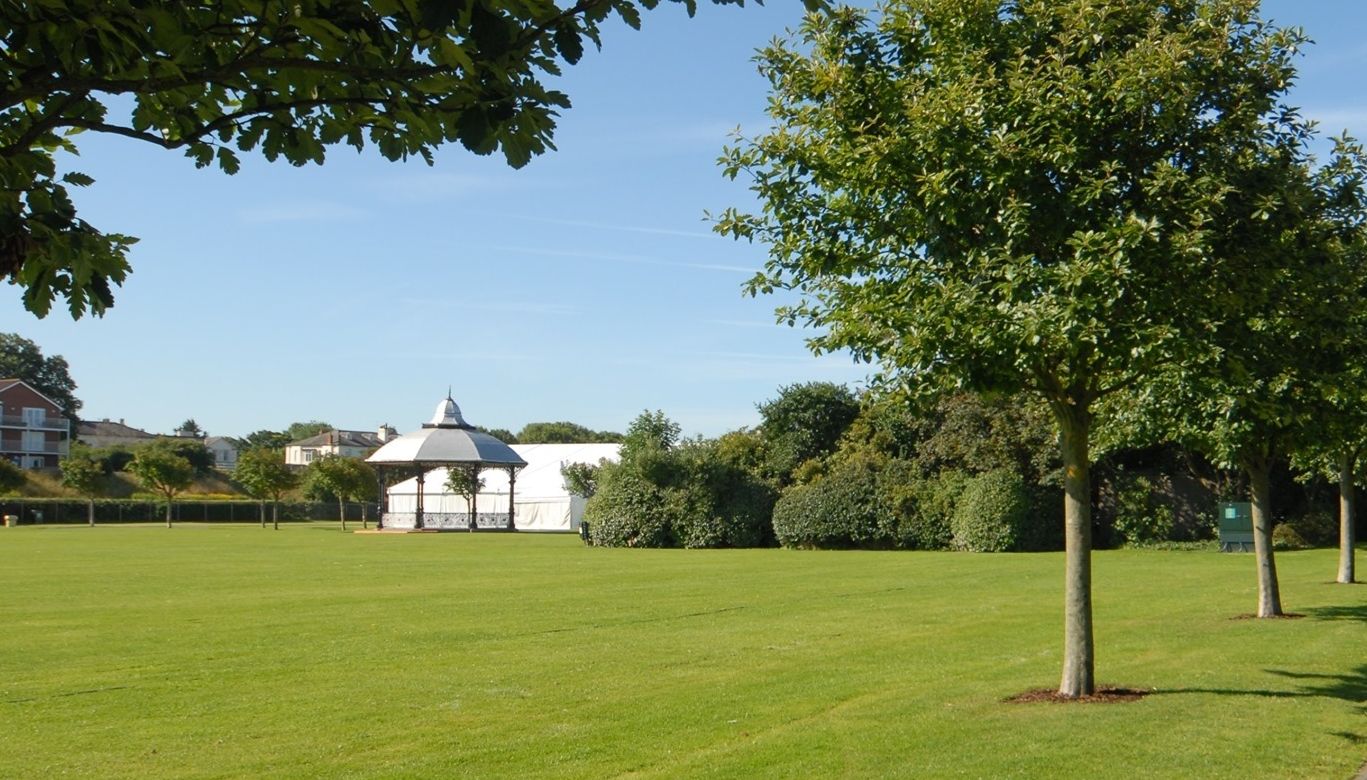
447, 442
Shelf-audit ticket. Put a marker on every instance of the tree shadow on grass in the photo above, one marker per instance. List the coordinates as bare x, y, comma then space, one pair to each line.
1349, 686
1339, 612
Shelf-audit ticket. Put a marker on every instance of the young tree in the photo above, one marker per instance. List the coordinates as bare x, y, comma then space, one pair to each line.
344, 478
20, 358
159, 468
264, 474
288, 78
466, 482
83, 472
1007, 196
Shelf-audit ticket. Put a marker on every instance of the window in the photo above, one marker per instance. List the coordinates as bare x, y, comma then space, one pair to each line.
310, 455
35, 441
35, 418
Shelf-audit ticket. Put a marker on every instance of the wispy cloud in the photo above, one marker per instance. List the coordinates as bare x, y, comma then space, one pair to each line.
654, 231
314, 211
503, 307
425, 184
615, 258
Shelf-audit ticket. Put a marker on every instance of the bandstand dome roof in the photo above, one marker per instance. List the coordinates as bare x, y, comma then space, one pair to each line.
447, 439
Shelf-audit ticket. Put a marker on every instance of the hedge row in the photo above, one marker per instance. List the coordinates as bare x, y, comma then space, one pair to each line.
112, 510
884, 506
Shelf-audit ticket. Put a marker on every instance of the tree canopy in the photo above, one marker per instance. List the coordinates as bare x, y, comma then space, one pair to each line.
1008, 196
562, 432
160, 467
287, 78
20, 358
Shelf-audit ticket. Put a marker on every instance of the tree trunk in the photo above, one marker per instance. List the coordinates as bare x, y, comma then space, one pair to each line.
1078, 647
263, 514
168, 512
90, 511
364, 523
1346, 517
341, 509
275, 514
1260, 481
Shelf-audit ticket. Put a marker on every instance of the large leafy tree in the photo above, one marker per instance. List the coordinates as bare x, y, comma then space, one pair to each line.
1010, 195
289, 78
1336, 449
1262, 394
20, 358
264, 474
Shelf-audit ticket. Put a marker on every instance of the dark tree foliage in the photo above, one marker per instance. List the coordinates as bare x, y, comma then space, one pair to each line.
20, 358
805, 422
263, 440
978, 433
11, 476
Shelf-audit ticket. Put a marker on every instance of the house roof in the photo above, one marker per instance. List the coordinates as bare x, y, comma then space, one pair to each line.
6, 384
210, 441
340, 438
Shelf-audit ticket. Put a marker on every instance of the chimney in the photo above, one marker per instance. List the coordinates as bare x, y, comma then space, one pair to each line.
384, 433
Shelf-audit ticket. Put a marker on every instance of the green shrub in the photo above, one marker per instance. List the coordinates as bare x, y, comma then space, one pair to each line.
689, 494
992, 513
836, 512
626, 511
1285, 537
1139, 518
918, 511
1317, 528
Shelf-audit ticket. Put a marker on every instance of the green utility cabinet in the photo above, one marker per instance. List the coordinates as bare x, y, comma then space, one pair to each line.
1236, 526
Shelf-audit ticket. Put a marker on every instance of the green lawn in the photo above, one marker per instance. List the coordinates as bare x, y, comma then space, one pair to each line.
231, 651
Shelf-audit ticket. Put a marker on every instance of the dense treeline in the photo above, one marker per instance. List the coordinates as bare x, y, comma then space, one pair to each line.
827, 469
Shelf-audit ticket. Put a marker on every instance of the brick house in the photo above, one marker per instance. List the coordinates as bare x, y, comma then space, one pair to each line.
33, 432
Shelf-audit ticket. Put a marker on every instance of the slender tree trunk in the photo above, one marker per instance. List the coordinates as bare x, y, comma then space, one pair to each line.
90, 511
1347, 496
364, 523
262, 506
168, 511
1260, 481
1078, 647
275, 514
341, 509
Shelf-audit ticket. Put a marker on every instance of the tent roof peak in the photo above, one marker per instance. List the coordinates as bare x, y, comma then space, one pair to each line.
447, 415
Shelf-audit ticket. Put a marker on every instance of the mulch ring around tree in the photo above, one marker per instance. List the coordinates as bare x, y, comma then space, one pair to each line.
1106, 694
1283, 616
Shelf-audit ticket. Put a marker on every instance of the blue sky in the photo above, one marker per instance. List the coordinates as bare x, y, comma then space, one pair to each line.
585, 287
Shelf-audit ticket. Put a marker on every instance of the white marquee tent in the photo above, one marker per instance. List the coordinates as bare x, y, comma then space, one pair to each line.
542, 502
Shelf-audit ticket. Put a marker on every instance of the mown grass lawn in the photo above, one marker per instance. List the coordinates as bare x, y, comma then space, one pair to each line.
231, 651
